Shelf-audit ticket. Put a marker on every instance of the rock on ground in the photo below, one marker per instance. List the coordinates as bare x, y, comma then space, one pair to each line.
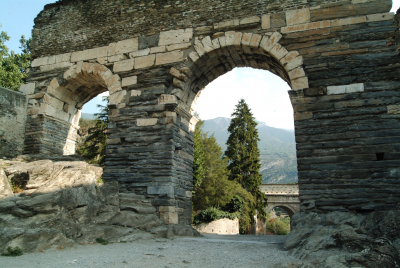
61, 202
344, 239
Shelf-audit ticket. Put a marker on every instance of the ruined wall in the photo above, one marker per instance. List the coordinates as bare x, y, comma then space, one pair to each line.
12, 127
97, 23
341, 60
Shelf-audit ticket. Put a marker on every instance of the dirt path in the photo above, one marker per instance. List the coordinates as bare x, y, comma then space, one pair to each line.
206, 251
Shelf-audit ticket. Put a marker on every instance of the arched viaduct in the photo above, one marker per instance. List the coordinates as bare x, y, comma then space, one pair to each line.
285, 196
340, 59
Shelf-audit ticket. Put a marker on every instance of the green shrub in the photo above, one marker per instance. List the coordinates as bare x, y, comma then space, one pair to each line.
12, 252
279, 226
101, 241
213, 214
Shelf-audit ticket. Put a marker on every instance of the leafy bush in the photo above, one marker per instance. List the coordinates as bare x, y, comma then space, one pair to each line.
12, 252
102, 241
279, 226
235, 205
213, 214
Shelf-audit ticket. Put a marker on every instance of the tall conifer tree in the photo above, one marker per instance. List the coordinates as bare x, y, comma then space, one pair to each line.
244, 156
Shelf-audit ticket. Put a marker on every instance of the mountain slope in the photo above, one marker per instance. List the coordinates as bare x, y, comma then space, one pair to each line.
277, 149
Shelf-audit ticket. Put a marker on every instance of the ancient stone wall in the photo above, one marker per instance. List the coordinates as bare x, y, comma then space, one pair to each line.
12, 127
97, 23
341, 60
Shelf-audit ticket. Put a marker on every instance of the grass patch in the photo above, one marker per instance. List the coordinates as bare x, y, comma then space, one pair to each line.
12, 252
102, 241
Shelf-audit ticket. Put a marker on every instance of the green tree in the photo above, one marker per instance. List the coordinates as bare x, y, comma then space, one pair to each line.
94, 148
215, 192
12, 65
199, 170
244, 157
214, 189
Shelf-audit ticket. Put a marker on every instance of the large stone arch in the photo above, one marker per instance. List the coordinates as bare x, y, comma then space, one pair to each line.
54, 107
344, 89
219, 54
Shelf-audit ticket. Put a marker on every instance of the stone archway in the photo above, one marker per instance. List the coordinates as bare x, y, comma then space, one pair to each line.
55, 105
217, 55
343, 79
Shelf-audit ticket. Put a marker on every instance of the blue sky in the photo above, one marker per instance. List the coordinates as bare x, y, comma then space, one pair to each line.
265, 93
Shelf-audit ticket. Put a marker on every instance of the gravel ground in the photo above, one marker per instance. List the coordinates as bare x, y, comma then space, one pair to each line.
205, 251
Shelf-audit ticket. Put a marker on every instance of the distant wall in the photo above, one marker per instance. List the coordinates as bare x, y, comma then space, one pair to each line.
221, 226
12, 122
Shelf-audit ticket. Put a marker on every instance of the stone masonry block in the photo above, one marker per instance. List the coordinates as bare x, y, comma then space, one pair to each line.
112, 79
223, 24
124, 66
118, 97
237, 42
289, 57
145, 62
160, 190
380, 17
129, 81
296, 62
165, 99
332, 90
207, 44
135, 93
246, 38
41, 61
303, 116
278, 51
178, 46
146, 122
306, 26
296, 73
249, 20
393, 109
175, 37
255, 41
61, 65
176, 73
51, 111
297, 16
230, 38
169, 57
198, 46
115, 87
53, 102
115, 58
300, 83
28, 89
159, 49
140, 53
166, 209
265, 22
348, 21
124, 46
89, 54
169, 217
270, 42
66, 57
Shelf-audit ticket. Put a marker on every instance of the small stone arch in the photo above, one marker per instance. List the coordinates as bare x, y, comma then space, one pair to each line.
58, 106
291, 210
216, 55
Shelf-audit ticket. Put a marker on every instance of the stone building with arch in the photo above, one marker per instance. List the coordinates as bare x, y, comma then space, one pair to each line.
340, 59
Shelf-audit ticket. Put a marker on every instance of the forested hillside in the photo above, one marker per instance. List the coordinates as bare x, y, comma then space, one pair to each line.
277, 149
